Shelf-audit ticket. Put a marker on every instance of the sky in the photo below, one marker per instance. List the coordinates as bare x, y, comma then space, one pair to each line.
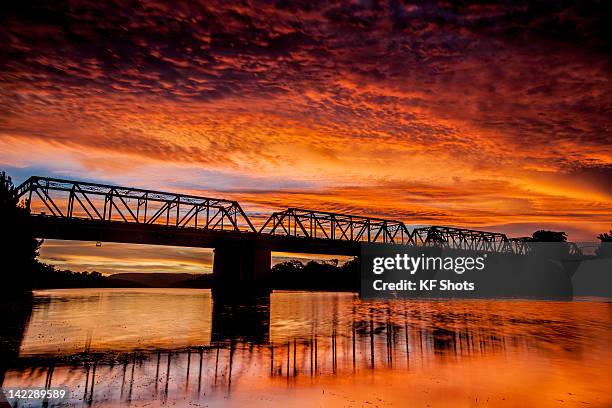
473, 114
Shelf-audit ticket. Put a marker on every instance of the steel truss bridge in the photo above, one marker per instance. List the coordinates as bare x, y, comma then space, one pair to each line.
68, 209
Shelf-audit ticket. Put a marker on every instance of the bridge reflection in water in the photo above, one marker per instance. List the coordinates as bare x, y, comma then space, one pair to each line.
306, 341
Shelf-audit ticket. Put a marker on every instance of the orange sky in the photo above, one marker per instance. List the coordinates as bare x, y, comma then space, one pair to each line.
493, 117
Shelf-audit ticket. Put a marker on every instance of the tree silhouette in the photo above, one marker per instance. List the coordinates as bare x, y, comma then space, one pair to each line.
323, 275
605, 248
548, 236
605, 236
18, 246
291, 266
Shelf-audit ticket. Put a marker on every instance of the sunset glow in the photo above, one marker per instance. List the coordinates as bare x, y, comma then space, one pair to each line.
485, 116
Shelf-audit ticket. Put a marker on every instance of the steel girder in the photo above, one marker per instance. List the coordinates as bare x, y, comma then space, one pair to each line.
296, 222
93, 201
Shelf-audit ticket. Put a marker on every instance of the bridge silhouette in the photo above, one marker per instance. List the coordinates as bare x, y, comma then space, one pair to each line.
78, 210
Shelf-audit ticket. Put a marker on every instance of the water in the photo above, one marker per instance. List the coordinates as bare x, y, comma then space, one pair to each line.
178, 347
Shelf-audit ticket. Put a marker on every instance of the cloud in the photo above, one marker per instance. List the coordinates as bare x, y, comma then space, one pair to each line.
437, 113
117, 258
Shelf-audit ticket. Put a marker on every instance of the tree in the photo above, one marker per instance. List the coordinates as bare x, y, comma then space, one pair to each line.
605, 236
18, 246
292, 266
548, 236
605, 248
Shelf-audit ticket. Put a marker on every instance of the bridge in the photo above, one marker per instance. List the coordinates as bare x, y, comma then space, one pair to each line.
77, 210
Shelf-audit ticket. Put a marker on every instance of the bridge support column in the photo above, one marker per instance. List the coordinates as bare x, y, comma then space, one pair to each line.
242, 268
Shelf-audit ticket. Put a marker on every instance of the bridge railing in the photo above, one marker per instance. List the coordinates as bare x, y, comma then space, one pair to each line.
300, 223
101, 202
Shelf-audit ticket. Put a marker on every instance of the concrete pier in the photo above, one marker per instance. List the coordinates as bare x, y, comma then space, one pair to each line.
242, 267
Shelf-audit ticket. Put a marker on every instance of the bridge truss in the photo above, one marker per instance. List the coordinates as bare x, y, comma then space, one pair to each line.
301, 223
466, 239
101, 202
69, 199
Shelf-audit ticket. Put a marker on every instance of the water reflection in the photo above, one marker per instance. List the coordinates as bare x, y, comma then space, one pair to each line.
151, 347
241, 319
16, 311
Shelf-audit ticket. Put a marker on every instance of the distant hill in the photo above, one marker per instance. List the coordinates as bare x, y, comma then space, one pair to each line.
156, 280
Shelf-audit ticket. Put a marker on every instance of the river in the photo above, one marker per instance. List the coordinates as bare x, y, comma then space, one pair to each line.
178, 347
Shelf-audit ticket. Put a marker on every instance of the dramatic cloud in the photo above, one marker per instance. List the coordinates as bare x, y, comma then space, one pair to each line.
482, 115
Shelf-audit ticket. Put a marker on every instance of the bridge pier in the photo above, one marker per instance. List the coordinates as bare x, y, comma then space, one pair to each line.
242, 268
